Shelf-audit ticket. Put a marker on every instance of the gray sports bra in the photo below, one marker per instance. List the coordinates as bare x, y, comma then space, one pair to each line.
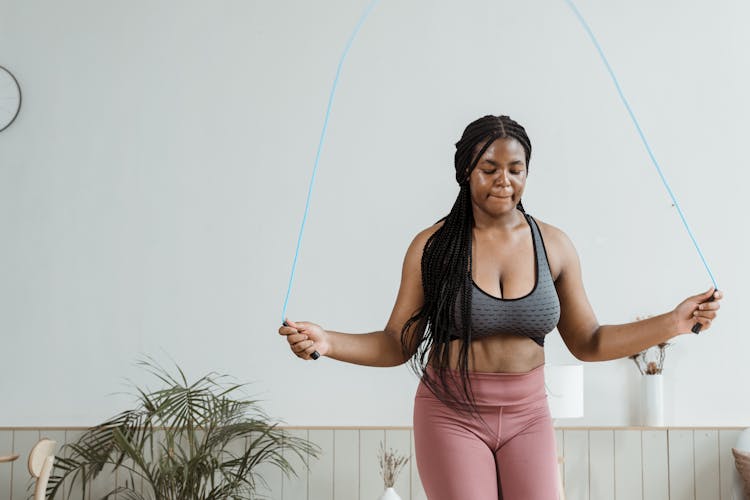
533, 315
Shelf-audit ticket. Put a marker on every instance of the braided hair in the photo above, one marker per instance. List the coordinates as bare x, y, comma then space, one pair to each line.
446, 274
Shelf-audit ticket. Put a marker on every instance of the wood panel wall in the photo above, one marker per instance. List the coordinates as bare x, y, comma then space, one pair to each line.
598, 464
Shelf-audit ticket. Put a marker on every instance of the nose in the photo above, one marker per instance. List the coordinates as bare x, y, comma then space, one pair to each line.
503, 179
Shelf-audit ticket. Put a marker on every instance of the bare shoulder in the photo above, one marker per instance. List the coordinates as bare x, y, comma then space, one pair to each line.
558, 245
427, 232
416, 248
420, 240
552, 233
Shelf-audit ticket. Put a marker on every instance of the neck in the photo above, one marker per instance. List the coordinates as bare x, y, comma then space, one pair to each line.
503, 222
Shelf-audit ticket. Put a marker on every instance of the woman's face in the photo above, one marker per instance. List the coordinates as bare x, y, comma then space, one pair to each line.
498, 180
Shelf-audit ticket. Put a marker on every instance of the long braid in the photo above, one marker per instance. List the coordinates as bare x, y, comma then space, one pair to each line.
446, 273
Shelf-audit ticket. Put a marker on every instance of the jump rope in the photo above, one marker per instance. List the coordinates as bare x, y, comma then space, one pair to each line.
696, 327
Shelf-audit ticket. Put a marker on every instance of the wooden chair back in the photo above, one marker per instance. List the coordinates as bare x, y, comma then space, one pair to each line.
41, 460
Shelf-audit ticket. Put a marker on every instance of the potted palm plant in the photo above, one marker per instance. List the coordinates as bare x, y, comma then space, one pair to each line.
187, 441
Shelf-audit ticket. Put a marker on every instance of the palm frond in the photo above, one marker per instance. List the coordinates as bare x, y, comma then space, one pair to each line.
186, 440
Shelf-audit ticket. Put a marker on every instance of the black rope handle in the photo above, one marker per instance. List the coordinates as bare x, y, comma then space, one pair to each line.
697, 327
316, 354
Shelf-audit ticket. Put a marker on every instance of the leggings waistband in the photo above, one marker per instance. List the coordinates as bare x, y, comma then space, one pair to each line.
494, 388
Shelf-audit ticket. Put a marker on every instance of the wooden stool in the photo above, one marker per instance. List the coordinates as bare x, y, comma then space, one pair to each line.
41, 459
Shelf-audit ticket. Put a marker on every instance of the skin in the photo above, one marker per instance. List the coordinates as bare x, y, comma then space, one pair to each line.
503, 266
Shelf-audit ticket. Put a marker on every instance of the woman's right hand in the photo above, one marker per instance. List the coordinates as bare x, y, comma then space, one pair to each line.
305, 338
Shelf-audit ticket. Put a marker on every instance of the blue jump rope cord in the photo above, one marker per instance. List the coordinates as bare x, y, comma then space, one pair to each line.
640, 133
320, 145
614, 80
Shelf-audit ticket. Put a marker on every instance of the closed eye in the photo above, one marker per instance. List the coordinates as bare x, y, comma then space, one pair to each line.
514, 172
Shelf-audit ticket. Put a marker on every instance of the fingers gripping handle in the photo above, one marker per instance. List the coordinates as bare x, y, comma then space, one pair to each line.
316, 354
697, 327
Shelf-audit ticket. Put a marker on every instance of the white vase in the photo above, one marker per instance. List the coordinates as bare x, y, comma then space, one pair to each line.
653, 400
390, 494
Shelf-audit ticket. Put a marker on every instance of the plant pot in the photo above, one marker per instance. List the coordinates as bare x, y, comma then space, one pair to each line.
738, 484
653, 400
390, 494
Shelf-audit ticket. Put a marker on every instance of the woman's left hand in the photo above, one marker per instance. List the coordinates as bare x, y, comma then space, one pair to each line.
697, 309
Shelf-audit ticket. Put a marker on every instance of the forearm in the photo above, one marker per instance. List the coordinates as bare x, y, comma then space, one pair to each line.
369, 349
620, 341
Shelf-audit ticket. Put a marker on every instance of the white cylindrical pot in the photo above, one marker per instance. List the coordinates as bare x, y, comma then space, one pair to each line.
390, 494
564, 385
653, 400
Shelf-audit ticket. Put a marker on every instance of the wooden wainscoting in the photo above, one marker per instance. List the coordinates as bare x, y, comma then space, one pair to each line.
599, 463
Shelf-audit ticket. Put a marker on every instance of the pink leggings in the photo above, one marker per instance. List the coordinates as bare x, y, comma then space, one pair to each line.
511, 455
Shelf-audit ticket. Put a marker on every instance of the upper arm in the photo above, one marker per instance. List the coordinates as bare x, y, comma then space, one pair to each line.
410, 296
578, 323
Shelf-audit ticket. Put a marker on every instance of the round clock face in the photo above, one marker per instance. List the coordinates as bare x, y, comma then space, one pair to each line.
10, 98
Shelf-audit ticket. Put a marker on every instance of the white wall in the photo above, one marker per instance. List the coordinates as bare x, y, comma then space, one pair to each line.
152, 188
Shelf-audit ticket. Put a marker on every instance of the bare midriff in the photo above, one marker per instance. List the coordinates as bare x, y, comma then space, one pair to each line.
500, 353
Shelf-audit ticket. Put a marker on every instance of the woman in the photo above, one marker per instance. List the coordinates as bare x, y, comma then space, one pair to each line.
479, 291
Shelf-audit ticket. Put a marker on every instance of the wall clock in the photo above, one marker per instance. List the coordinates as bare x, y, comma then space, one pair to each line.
10, 98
